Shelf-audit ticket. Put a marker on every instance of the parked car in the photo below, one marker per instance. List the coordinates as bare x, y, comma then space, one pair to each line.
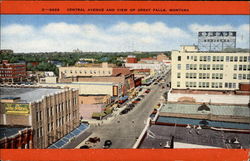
131, 105
107, 144
141, 96
147, 91
84, 147
94, 140
124, 111
137, 100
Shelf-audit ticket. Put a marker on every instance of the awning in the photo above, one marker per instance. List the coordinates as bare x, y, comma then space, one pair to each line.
66, 139
123, 98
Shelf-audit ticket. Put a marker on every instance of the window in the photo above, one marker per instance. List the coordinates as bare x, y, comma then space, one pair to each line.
187, 57
208, 67
240, 67
227, 58
178, 75
200, 66
195, 66
241, 58
179, 66
231, 58
248, 76
179, 58
187, 84
240, 76
209, 58
248, 67
201, 58
245, 58
244, 76
222, 58
244, 67
214, 58
37, 116
41, 131
235, 76
226, 85
48, 112
221, 66
248, 58
235, 67
195, 58
236, 58
187, 67
178, 84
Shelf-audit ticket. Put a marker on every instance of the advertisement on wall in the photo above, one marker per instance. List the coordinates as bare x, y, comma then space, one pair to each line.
17, 108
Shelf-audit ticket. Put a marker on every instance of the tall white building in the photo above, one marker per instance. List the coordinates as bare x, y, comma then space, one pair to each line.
192, 69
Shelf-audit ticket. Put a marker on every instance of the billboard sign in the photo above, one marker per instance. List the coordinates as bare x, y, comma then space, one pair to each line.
216, 40
16, 108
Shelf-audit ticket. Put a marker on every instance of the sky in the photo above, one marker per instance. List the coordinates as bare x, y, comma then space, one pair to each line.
114, 33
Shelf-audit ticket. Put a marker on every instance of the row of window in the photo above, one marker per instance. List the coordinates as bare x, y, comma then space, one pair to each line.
218, 58
208, 84
242, 67
202, 67
88, 72
241, 76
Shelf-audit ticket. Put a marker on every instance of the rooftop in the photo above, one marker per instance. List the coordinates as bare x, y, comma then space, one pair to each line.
229, 110
9, 131
157, 137
27, 95
211, 98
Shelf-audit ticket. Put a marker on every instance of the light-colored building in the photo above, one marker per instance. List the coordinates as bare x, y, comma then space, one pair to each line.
50, 112
157, 67
91, 88
196, 70
48, 80
103, 69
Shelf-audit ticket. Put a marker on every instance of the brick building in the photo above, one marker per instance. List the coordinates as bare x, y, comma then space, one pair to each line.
50, 112
12, 72
16, 137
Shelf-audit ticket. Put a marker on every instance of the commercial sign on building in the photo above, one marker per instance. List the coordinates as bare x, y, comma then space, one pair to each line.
216, 40
17, 108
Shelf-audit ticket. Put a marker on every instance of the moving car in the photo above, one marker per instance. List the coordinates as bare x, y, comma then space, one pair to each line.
107, 144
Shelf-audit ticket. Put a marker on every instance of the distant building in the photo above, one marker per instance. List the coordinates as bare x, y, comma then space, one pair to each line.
131, 59
50, 112
196, 70
161, 57
103, 69
12, 72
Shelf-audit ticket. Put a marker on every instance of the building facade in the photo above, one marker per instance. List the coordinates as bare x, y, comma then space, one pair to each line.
91, 70
12, 72
192, 69
50, 112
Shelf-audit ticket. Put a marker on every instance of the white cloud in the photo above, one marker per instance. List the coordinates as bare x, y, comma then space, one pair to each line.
140, 36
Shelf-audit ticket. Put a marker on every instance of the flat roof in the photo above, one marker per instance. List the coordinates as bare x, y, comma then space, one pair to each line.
227, 110
6, 131
27, 95
158, 135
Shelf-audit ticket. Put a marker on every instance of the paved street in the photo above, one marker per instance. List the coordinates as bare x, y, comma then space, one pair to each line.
123, 130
